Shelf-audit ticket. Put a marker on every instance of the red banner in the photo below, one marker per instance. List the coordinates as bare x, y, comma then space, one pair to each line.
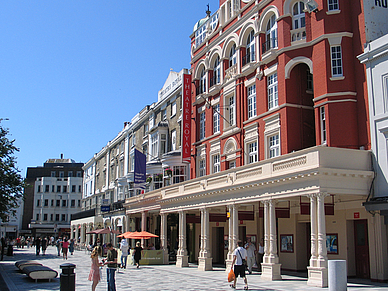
186, 119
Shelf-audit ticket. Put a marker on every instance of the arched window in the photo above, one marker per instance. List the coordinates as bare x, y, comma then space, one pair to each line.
271, 34
298, 21
202, 84
251, 47
232, 56
217, 71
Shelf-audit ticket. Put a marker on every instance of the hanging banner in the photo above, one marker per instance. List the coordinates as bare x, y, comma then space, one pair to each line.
186, 119
139, 170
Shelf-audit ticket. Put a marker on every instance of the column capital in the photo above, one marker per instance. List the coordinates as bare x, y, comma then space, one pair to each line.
322, 195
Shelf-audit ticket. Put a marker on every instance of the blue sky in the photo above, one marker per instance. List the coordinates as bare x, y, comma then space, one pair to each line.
71, 72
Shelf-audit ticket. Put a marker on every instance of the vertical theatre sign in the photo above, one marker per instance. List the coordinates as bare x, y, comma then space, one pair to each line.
139, 170
186, 119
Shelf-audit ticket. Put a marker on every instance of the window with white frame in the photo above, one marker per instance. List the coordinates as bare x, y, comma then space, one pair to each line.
252, 101
272, 83
179, 174
232, 164
274, 146
217, 71
173, 109
214, 21
202, 168
216, 118
231, 107
298, 21
145, 129
173, 140
202, 84
333, 5
163, 143
202, 121
252, 152
216, 163
164, 114
200, 35
250, 47
154, 145
271, 34
336, 61
323, 125
133, 140
232, 56
151, 120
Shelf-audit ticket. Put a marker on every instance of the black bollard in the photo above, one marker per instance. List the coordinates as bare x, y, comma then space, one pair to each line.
67, 279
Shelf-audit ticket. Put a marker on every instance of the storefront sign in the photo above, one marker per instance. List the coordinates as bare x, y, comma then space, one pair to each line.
356, 214
186, 119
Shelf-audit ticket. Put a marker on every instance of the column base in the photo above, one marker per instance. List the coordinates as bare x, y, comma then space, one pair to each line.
182, 261
317, 276
165, 257
205, 264
228, 264
270, 271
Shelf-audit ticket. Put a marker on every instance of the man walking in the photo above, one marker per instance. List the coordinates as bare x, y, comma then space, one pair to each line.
251, 255
124, 252
111, 261
239, 268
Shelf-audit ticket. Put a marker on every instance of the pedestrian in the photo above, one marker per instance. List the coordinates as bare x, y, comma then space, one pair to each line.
251, 255
37, 246
239, 254
261, 252
58, 245
65, 247
71, 247
2, 247
94, 274
124, 252
44, 246
137, 254
111, 262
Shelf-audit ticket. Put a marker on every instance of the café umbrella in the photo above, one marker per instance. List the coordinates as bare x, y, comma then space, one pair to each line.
138, 235
103, 231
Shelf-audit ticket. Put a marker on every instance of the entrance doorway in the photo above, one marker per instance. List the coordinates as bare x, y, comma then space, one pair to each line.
361, 248
218, 246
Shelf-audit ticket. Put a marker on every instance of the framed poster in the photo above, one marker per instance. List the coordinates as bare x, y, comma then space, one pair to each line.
287, 243
332, 243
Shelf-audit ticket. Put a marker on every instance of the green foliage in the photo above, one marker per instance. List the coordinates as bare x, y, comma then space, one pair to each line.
11, 182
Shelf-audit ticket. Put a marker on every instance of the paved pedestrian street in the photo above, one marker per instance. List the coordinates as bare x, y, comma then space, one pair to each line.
157, 277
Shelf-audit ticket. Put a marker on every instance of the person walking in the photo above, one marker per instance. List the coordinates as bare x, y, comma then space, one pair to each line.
37, 246
58, 245
137, 254
71, 247
44, 246
111, 262
251, 255
65, 247
124, 252
94, 274
239, 254
261, 252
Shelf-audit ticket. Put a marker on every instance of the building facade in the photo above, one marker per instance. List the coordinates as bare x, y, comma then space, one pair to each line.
53, 194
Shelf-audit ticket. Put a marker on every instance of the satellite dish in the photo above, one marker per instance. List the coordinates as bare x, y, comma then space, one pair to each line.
311, 6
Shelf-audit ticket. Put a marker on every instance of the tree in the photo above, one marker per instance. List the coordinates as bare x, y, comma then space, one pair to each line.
11, 182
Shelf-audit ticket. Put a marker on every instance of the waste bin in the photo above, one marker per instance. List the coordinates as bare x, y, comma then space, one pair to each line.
67, 278
10, 250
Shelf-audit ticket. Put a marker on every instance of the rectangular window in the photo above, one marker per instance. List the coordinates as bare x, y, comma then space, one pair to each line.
323, 125
216, 118
72, 203
163, 143
173, 140
46, 202
45, 217
58, 189
252, 152
72, 188
202, 168
173, 109
333, 5
252, 101
145, 129
272, 91
133, 140
274, 146
64, 189
79, 203
231, 110
51, 217
38, 188
70, 174
37, 217
56, 217
63, 217
216, 163
80, 188
52, 173
47, 188
336, 61
38, 202
64, 203
61, 174
52, 202
202, 120
154, 145
79, 174
164, 114
232, 164
58, 203
53, 188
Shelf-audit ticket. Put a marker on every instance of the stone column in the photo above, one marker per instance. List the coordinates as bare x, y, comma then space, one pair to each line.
205, 260
143, 226
163, 236
270, 267
317, 271
83, 234
72, 232
233, 234
88, 236
182, 259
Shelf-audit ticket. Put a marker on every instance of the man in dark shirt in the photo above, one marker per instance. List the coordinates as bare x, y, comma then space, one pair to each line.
111, 262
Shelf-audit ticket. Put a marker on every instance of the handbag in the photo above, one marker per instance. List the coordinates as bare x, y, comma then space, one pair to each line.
244, 261
231, 276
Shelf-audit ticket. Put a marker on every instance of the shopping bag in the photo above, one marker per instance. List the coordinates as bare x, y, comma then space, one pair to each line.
231, 276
